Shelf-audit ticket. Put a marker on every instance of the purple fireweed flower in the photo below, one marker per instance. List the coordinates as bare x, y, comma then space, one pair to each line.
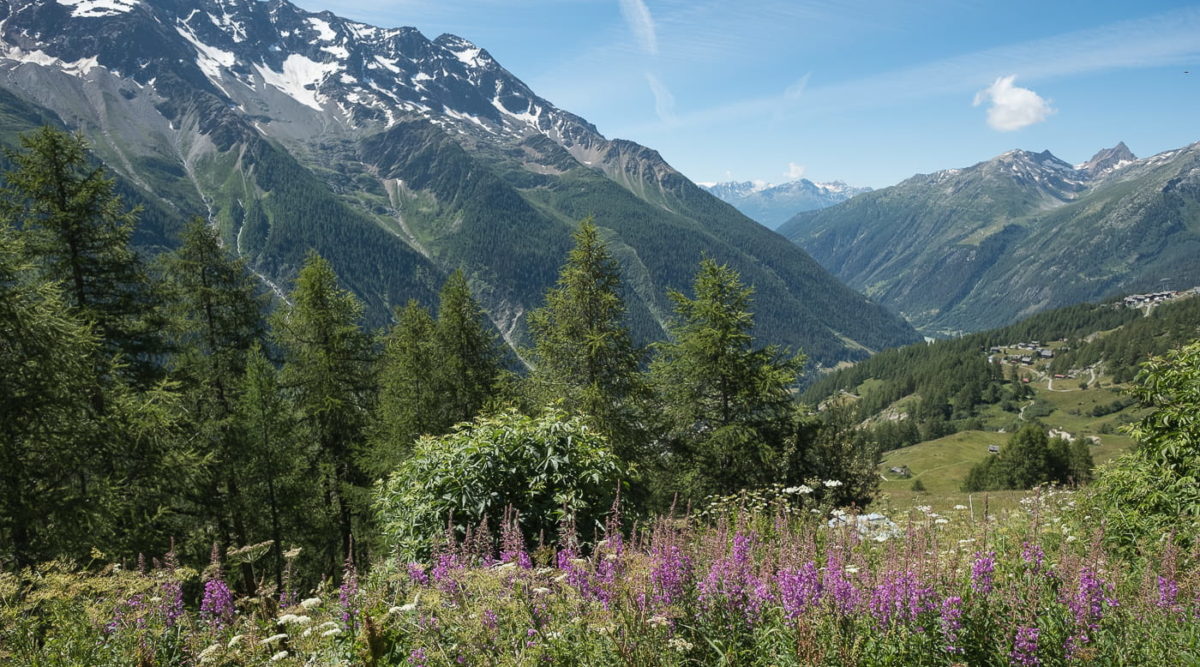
799, 589
732, 584
217, 605
951, 622
489, 619
1025, 647
417, 573
1168, 593
445, 571
512, 543
417, 657
901, 597
1033, 555
838, 586
348, 592
1087, 606
981, 572
670, 572
171, 606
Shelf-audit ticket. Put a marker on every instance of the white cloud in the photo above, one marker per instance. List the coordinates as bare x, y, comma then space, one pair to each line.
1012, 107
795, 171
664, 101
638, 18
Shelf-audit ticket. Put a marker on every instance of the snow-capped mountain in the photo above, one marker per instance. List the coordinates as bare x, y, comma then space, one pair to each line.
397, 157
773, 205
982, 246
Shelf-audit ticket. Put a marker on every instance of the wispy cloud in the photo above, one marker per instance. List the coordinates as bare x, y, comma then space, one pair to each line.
664, 101
1163, 39
641, 23
795, 171
1012, 107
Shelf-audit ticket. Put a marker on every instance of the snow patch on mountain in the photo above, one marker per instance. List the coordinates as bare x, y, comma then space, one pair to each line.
324, 31
37, 57
300, 78
209, 59
97, 8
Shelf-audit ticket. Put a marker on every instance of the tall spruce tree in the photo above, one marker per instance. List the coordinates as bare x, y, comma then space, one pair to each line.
80, 230
275, 462
329, 371
409, 388
47, 370
583, 353
469, 362
215, 319
727, 405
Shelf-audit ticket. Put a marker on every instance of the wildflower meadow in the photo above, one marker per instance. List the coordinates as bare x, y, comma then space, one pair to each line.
762, 578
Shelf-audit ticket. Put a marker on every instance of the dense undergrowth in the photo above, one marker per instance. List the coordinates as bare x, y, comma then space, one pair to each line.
769, 578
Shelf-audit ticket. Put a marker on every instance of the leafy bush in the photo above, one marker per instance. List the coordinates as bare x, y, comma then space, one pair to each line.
542, 467
1152, 491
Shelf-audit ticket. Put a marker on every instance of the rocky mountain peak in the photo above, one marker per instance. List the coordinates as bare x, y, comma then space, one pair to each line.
1108, 159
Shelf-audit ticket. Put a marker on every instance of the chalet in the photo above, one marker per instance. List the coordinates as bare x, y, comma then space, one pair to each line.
1059, 376
1046, 354
1027, 359
993, 449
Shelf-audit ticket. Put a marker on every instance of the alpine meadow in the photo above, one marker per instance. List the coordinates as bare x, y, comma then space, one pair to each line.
324, 343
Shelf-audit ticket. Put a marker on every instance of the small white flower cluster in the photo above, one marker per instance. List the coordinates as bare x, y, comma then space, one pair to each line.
311, 603
803, 489
832, 483
273, 638
680, 644
208, 653
658, 621
279, 656
294, 619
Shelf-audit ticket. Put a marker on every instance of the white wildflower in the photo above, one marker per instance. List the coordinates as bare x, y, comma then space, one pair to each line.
279, 656
332, 633
832, 483
960, 507
310, 603
328, 624
233, 641
658, 621
274, 638
680, 644
882, 537
967, 541
294, 619
941, 520
306, 633
924, 509
541, 590
209, 652
560, 578
852, 569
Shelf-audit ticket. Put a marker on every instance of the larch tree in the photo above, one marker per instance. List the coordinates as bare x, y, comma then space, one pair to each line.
583, 353
328, 370
727, 405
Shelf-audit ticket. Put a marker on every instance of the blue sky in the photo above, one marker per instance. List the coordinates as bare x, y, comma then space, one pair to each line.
866, 92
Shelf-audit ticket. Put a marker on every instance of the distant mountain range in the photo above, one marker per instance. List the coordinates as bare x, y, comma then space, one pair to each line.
773, 205
399, 158
980, 247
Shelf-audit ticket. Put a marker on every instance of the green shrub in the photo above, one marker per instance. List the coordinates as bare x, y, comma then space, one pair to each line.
1153, 491
541, 466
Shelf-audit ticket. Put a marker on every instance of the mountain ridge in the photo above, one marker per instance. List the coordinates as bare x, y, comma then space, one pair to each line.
400, 158
772, 205
978, 247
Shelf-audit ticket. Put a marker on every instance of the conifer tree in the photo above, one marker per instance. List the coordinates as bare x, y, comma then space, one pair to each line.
469, 360
47, 370
727, 405
215, 319
583, 353
80, 230
275, 459
409, 388
328, 370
